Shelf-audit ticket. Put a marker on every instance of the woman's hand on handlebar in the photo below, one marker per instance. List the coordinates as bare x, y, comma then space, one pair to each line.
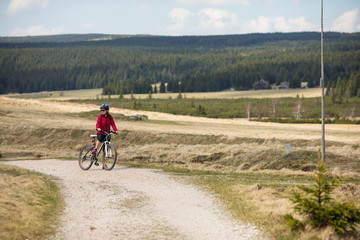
99, 130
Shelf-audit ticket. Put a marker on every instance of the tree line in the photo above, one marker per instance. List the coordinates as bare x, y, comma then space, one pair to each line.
187, 64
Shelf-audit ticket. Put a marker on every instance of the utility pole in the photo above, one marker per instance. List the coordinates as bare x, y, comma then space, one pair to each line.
322, 86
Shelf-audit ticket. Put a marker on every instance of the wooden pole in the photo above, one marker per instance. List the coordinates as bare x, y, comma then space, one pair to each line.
322, 85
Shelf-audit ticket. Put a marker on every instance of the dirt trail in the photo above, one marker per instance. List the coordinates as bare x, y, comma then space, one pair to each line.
129, 203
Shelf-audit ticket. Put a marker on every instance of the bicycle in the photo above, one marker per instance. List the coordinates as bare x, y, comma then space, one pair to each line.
87, 158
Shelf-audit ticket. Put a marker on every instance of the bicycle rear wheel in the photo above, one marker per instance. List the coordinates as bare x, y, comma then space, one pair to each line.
85, 156
109, 157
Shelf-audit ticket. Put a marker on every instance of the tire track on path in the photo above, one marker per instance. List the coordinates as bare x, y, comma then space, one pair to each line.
128, 203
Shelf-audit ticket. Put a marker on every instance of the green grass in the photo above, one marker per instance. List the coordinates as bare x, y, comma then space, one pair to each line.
236, 108
307, 121
164, 122
274, 179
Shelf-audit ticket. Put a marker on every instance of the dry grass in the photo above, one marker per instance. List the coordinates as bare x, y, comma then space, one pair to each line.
96, 93
29, 204
222, 145
262, 198
307, 93
61, 95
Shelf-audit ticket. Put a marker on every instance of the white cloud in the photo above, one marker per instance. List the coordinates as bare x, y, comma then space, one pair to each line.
180, 15
212, 21
206, 21
215, 2
300, 24
21, 5
262, 24
216, 18
180, 19
36, 31
346, 22
266, 24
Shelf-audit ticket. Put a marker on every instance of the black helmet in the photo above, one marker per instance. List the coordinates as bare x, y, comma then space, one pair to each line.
104, 106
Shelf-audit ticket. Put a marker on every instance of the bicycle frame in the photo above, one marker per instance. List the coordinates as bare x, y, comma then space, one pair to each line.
87, 156
103, 147
104, 144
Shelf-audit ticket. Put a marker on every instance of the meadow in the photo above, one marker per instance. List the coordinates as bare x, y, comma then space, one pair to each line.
243, 162
257, 108
30, 204
274, 105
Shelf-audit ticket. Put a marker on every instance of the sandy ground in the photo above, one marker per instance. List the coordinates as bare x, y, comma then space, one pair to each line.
128, 203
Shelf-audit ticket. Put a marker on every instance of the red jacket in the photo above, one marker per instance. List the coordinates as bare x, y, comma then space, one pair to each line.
104, 123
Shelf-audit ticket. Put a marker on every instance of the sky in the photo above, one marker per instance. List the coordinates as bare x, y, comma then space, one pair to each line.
175, 17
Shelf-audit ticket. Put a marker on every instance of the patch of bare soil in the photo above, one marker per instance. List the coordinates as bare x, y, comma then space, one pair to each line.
128, 203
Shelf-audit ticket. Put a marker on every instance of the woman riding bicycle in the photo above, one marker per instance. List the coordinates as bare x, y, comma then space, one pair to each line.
103, 123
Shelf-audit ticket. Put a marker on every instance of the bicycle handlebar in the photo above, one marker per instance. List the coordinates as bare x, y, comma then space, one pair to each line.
111, 132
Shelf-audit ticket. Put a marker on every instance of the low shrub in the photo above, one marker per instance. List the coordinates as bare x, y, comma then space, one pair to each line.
293, 223
319, 208
343, 217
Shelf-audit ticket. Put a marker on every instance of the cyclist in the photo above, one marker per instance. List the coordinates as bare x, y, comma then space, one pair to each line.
103, 123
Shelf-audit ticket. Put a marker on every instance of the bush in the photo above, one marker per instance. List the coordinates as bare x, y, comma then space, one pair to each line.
343, 217
316, 204
293, 223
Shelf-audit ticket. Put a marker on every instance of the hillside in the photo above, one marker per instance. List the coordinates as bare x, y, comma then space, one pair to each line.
125, 64
302, 38
64, 38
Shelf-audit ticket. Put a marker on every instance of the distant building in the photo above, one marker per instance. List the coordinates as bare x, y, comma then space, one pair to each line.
262, 84
304, 85
284, 85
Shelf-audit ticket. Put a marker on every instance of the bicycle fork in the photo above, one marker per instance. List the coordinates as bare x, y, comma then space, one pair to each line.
108, 153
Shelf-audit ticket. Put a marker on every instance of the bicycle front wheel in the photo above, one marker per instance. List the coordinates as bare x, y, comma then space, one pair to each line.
85, 156
109, 157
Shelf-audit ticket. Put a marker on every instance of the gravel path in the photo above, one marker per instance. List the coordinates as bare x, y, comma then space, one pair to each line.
128, 203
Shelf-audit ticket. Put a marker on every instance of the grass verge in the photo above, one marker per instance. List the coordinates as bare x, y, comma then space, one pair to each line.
262, 198
30, 204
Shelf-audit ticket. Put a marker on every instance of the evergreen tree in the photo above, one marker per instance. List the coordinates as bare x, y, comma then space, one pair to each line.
196, 62
162, 87
315, 202
340, 89
354, 84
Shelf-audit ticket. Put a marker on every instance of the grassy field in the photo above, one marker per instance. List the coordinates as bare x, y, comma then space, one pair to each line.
97, 93
237, 108
263, 199
243, 162
61, 95
30, 204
